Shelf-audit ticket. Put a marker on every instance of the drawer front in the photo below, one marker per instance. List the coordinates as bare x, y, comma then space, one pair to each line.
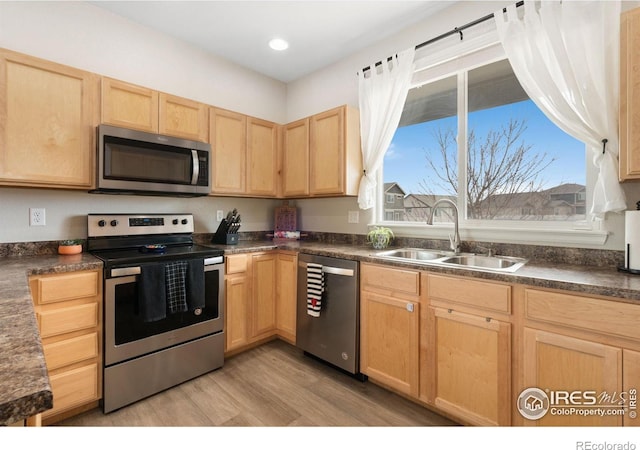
69, 351
390, 279
73, 388
586, 313
237, 263
66, 320
478, 294
58, 288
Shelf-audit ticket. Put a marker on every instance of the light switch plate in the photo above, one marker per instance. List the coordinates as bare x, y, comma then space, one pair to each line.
354, 216
219, 215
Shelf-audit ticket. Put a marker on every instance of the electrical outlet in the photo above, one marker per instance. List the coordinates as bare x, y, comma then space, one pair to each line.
219, 215
37, 217
354, 216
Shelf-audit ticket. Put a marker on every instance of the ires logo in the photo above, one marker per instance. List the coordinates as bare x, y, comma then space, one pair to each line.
534, 403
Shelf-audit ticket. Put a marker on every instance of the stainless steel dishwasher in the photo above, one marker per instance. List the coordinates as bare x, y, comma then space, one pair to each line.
334, 336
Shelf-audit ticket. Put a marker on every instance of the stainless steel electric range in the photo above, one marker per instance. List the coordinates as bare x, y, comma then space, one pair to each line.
163, 303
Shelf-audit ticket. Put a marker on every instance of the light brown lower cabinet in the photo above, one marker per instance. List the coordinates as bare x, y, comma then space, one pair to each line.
68, 310
470, 366
260, 298
557, 364
286, 295
389, 326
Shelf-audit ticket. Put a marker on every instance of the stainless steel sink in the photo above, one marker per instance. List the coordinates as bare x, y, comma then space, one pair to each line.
447, 258
414, 254
502, 263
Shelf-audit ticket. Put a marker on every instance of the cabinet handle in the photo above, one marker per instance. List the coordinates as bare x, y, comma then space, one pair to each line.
449, 310
488, 319
410, 307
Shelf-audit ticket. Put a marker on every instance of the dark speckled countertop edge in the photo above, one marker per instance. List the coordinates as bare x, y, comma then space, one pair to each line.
25, 389
581, 279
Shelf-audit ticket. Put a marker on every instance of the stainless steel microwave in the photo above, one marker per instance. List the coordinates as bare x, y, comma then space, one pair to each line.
136, 162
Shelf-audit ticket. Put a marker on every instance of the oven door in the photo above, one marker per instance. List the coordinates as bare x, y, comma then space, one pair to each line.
128, 336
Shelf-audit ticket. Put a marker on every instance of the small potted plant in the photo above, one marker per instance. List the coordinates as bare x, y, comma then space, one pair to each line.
380, 237
70, 247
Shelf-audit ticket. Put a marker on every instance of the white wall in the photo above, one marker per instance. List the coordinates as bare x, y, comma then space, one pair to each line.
81, 35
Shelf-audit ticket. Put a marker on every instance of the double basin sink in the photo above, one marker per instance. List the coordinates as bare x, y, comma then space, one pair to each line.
450, 259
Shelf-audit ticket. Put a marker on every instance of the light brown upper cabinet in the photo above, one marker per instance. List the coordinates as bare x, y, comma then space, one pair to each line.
130, 106
295, 159
333, 154
48, 114
245, 154
228, 151
262, 158
630, 95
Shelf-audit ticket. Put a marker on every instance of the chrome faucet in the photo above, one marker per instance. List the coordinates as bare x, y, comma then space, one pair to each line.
454, 240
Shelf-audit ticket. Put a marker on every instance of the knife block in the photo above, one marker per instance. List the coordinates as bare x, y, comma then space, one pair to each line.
223, 236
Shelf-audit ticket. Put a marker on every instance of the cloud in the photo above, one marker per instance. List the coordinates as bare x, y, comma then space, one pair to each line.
392, 153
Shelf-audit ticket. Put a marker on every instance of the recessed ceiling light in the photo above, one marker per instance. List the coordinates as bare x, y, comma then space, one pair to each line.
278, 44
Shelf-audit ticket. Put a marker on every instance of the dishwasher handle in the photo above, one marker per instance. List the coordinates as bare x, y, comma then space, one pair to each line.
331, 270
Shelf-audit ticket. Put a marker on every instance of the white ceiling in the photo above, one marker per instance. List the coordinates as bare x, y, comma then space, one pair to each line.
319, 32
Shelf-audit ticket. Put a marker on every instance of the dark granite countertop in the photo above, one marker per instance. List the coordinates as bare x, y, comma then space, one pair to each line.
24, 382
582, 279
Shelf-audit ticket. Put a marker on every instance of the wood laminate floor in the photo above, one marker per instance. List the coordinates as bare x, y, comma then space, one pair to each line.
272, 385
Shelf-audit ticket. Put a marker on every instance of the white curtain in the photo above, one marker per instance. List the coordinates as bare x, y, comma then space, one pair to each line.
566, 57
382, 96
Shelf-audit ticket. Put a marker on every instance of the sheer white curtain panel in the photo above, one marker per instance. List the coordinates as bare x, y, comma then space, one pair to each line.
382, 93
566, 56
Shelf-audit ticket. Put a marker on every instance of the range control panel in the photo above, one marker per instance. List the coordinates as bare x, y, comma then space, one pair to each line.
101, 225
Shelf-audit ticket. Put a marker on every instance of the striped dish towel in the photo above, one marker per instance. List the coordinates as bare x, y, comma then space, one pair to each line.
315, 288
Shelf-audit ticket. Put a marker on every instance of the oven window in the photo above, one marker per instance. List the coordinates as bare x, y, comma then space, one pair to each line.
148, 162
129, 323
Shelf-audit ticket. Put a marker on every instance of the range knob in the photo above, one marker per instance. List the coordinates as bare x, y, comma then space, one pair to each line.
102, 222
175, 221
184, 221
114, 222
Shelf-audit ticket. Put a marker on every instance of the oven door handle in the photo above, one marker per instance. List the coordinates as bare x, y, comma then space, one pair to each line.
196, 167
125, 271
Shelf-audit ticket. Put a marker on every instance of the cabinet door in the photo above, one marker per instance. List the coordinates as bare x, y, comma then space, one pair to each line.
326, 150
236, 311
129, 106
228, 145
48, 114
183, 118
263, 295
554, 362
389, 350
286, 287
295, 159
631, 385
470, 367
630, 95
262, 157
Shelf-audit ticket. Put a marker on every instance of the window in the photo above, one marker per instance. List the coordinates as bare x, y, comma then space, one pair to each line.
501, 160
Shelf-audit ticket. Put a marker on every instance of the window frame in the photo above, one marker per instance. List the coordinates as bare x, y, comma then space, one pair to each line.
457, 60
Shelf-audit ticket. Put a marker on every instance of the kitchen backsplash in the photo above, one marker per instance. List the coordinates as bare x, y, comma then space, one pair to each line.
534, 253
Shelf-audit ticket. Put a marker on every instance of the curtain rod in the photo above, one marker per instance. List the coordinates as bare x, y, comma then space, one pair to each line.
456, 30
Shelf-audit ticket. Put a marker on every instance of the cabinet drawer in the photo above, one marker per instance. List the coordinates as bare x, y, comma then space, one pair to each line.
69, 351
73, 388
58, 288
237, 263
586, 313
479, 294
65, 320
390, 279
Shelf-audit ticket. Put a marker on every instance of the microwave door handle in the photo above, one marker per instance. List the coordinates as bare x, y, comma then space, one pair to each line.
196, 167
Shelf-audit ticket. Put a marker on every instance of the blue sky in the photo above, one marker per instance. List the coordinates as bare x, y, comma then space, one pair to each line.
405, 161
